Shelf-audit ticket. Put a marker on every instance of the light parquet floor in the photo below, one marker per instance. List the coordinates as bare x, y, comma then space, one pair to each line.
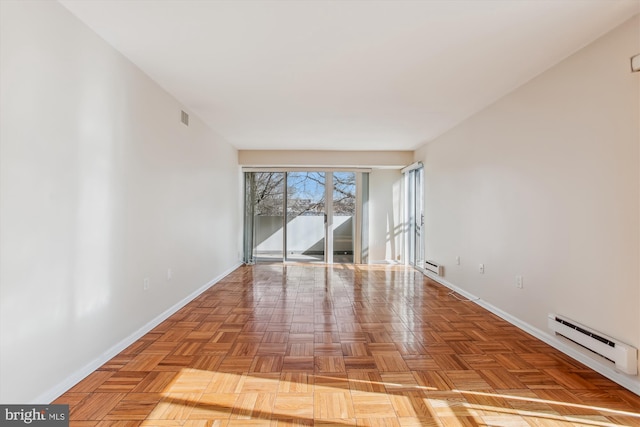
343, 345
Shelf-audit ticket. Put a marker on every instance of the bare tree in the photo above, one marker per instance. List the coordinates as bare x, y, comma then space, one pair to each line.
344, 189
305, 194
268, 193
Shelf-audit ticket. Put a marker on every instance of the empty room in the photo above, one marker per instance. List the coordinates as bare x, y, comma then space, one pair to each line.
321, 212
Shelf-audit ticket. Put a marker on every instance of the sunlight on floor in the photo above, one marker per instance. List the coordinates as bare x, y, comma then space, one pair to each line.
205, 398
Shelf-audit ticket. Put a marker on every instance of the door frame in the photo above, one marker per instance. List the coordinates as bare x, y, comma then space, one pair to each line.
413, 179
359, 220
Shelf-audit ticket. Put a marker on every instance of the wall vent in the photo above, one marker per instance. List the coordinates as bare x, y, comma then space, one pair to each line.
434, 267
622, 355
184, 118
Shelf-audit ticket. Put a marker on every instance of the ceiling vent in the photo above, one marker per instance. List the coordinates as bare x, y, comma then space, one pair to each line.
184, 118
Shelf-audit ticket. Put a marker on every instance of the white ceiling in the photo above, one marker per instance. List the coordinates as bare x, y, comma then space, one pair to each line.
344, 75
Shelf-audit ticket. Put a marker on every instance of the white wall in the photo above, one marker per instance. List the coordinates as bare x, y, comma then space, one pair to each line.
545, 183
385, 215
101, 186
302, 158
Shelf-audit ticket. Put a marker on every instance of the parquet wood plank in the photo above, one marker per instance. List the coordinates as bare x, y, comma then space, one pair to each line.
366, 381
91, 382
331, 382
122, 381
390, 362
207, 363
271, 349
134, 406
95, 406
333, 405
399, 382
253, 406
296, 382
259, 383
177, 408
160, 362
420, 363
325, 364
449, 405
117, 362
359, 363
372, 405
410, 404
216, 406
236, 364
418, 422
295, 363
501, 379
267, 364
155, 382
297, 405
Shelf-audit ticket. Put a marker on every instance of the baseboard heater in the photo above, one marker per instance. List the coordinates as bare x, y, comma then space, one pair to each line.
624, 356
434, 267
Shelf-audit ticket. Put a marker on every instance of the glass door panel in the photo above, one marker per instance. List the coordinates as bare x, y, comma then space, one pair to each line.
415, 216
411, 217
344, 211
419, 217
306, 216
268, 216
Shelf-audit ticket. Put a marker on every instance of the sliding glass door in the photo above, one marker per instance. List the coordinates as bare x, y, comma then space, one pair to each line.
301, 216
264, 201
414, 218
344, 216
306, 216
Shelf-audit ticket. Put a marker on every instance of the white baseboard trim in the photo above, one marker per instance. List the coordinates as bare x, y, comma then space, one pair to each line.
56, 391
631, 383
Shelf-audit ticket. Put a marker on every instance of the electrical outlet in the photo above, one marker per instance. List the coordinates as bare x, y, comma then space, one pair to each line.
145, 284
457, 260
519, 282
169, 274
481, 268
